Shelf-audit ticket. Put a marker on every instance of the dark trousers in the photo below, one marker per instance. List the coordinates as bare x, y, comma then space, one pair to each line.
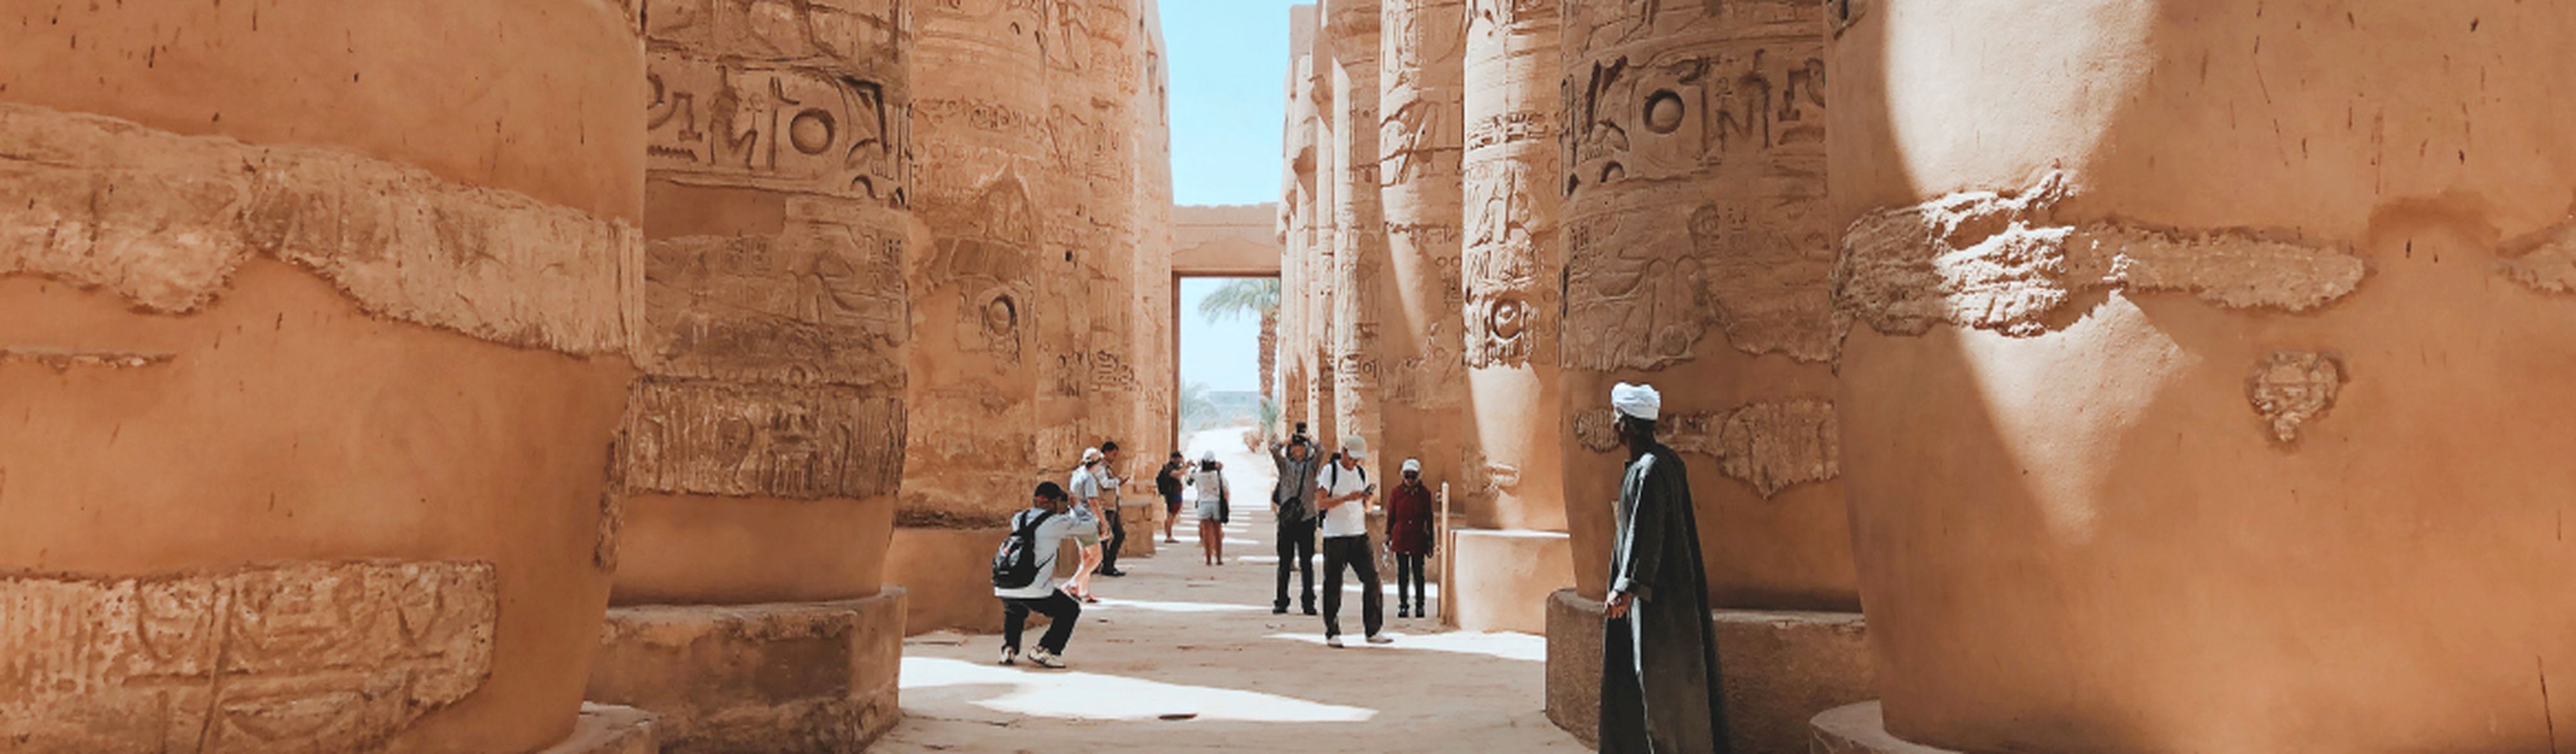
1297, 551
1352, 551
1117, 539
1409, 568
1061, 610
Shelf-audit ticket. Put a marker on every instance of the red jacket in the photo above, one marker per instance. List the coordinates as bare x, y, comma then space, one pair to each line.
1409, 519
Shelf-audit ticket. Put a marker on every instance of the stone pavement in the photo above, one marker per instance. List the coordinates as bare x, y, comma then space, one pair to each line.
1180, 656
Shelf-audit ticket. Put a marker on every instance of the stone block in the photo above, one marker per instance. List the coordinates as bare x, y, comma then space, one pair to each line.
1781, 669
1504, 577
1859, 729
804, 677
947, 578
608, 729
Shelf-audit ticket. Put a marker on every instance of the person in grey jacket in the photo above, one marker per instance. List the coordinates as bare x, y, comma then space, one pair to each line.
1293, 504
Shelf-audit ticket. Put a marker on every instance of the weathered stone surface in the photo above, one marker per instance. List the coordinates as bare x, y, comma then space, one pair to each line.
1859, 729
2292, 388
2006, 263
1781, 669
1360, 276
825, 302
1503, 579
1421, 144
2544, 261
804, 96
164, 220
719, 438
809, 677
294, 657
65, 360
1770, 445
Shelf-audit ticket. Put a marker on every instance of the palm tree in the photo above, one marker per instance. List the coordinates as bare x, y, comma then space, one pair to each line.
1197, 412
1255, 296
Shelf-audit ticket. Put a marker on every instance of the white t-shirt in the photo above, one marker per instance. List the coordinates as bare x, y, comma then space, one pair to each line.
1349, 519
1050, 539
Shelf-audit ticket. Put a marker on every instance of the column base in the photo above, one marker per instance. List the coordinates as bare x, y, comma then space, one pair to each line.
1502, 578
947, 577
606, 729
1859, 729
803, 677
1144, 522
1781, 669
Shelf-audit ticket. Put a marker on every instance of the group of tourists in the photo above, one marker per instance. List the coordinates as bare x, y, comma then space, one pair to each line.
1659, 666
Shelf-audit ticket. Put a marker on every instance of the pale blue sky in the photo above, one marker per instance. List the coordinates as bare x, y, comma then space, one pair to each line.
1229, 62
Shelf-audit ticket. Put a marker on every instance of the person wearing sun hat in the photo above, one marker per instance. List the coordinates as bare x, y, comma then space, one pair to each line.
1409, 536
1345, 494
1214, 505
1659, 674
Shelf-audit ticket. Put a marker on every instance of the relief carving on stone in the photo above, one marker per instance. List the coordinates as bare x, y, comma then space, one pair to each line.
2289, 389
1635, 288
1510, 298
793, 441
1771, 445
825, 301
786, 95
319, 657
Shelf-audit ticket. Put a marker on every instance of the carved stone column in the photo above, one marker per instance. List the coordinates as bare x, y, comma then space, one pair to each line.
2205, 395
1511, 269
1421, 136
1359, 272
1305, 297
312, 347
765, 443
979, 104
1155, 337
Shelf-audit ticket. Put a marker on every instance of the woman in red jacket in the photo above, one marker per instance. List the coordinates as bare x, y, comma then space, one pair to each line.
1408, 535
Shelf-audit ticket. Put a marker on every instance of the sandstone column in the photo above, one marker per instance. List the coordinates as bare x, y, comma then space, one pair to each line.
1323, 258
1510, 271
1420, 141
1359, 269
1698, 258
1155, 335
2205, 395
979, 102
765, 444
312, 350
1304, 297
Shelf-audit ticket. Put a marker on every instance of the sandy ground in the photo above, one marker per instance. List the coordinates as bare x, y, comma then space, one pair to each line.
1181, 656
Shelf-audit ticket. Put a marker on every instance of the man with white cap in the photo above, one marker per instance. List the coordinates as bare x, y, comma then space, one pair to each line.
1659, 672
1345, 495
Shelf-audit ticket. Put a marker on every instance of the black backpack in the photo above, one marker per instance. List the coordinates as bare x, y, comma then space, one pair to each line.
1015, 563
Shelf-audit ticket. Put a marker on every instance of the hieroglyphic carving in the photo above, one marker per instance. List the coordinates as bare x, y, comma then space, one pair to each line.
787, 95
2291, 388
823, 302
164, 220
1772, 445
321, 657
792, 441
2004, 262
1737, 109
1635, 292
1510, 296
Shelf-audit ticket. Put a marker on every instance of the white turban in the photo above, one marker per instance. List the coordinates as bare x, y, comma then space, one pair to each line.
1640, 401
1093, 454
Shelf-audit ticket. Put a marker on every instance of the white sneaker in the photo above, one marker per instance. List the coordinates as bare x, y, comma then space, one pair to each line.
1380, 639
1045, 659
1010, 656
1333, 641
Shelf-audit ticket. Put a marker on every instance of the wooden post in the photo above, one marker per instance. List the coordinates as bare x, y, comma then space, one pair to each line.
1447, 561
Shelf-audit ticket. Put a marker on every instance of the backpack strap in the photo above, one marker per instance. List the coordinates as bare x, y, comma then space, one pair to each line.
1032, 527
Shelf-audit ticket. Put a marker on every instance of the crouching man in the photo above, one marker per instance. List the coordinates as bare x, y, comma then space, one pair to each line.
1024, 577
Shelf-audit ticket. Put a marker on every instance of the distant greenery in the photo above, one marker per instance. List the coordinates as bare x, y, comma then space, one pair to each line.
1196, 410
1258, 297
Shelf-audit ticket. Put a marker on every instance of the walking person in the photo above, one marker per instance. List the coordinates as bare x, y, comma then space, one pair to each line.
1025, 579
1086, 521
1215, 505
1659, 673
1346, 495
1292, 504
1168, 483
1110, 481
1409, 535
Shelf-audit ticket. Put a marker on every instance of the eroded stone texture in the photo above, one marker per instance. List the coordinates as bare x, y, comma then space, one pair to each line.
2291, 388
1151, 338
1770, 445
794, 678
1513, 268
1361, 279
2543, 261
802, 96
2005, 262
64, 361
824, 302
296, 657
164, 220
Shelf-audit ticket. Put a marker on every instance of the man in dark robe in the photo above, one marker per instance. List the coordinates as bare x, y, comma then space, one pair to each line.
1659, 673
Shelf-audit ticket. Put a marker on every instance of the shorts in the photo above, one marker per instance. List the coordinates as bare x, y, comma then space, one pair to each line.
1172, 505
1087, 539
